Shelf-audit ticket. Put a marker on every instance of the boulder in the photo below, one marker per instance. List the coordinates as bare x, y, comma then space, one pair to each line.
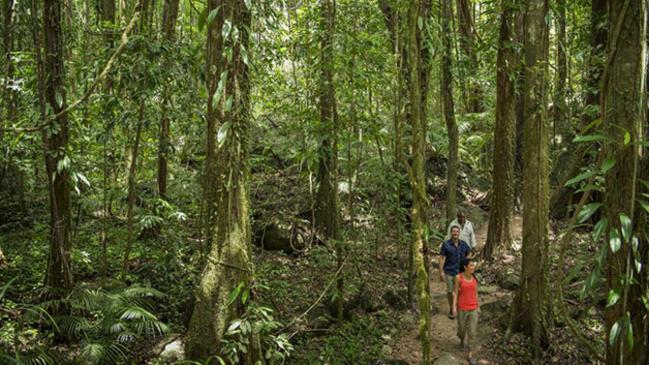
508, 278
447, 359
389, 362
286, 234
172, 352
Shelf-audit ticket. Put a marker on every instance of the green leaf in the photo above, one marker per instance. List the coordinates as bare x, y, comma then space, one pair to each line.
615, 333
587, 211
227, 26
234, 294
222, 134
629, 334
613, 297
248, 4
580, 177
590, 138
244, 296
627, 227
234, 325
420, 23
212, 15
614, 240
600, 228
228, 104
607, 165
627, 137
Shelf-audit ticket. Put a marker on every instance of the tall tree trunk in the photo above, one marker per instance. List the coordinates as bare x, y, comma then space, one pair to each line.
229, 261
502, 199
623, 111
169, 17
419, 71
399, 48
569, 163
327, 219
55, 140
107, 17
449, 113
132, 188
530, 302
11, 177
560, 120
466, 26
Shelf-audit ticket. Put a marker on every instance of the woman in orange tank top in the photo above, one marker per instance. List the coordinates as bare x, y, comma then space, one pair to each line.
466, 307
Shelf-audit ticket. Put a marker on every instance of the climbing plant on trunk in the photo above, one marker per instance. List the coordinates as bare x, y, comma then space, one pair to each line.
228, 122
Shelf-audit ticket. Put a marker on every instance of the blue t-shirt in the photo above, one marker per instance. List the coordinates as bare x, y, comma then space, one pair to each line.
455, 256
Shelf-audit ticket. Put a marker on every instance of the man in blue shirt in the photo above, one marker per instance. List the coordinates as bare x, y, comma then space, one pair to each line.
452, 255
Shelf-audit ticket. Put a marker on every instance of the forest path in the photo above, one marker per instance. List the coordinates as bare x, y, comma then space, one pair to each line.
444, 339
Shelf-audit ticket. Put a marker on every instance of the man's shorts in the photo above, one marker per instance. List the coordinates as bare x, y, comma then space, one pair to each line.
450, 282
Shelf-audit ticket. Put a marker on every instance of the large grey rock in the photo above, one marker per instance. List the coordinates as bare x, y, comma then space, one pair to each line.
508, 278
447, 359
173, 351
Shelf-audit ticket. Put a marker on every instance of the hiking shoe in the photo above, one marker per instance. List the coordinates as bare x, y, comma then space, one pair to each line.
451, 316
473, 361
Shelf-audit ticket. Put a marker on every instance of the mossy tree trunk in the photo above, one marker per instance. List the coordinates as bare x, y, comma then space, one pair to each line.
470, 61
11, 177
326, 206
55, 138
530, 302
228, 116
419, 71
394, 22
623, 110
502, 199
449, 112
169, 17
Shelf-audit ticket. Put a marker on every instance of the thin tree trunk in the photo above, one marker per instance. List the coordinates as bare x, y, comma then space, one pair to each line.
229, 261
399, 48
449, 113
327, 219
466, 26
623, 108
132, 188
502, 199
560, 122
169, 16
59, 268
107, 17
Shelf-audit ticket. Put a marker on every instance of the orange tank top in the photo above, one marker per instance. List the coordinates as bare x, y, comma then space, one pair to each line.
467, 294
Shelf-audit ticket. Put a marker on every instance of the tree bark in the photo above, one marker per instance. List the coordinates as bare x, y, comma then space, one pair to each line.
502, 199
449, 113
401, 115
327, 219
169, 17
55, 140
466, 26
11, 177
530, 302
132, 188
623, 111
573, 157
419, 71
229, 261
560, 120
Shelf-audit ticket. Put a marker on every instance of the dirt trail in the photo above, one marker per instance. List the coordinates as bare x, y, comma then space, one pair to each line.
444, 339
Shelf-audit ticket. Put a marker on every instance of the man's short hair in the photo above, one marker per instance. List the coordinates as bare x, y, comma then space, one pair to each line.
461, 213
456, 226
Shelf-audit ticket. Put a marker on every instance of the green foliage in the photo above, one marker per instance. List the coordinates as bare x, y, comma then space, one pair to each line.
356, 342
255, 324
